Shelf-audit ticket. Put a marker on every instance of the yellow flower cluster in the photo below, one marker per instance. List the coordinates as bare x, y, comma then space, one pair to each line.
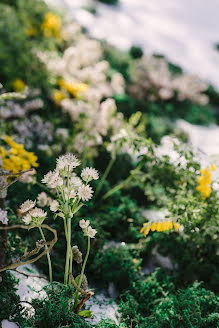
51, 26
75, 89
18, 85
159, 226
58, 96
17, 159
204, 181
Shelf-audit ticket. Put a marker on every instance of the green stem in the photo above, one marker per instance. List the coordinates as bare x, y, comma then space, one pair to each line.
123, 183
70, 269
118, 187
68, 251
82, 271
47, 254
105, 175
65, 226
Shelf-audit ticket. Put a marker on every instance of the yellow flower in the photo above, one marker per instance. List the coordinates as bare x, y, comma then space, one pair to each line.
18, 85
163, 225
213, 167
176, 225
16, 158
76, 89
58, 96
204, 181
51, 26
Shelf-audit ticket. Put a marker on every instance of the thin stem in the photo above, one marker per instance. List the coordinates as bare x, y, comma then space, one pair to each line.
118, 187
105, 175
65, 226
47, 254
85, 261
82, 271
70, 269
68, 251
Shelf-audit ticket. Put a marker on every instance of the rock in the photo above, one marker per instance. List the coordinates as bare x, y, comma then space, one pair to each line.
8, 324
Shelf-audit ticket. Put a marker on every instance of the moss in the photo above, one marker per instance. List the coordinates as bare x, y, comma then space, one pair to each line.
195, 307
155, 303
53, 311
107, 323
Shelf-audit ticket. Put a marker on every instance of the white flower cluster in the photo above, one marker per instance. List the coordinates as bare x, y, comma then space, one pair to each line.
32, 214
96, 120
152, 80
82, 63
126, 141
87, 229
43, 200
67, 183
89, 174
3, 216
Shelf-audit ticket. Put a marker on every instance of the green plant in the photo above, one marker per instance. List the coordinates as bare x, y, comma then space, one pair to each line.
8, 297
17, 52
52, 311
115, 265
194, 307
136, 52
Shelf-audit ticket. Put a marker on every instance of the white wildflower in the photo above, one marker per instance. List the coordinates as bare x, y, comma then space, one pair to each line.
27, 219
52, 179
37, 213
54, 206
27, 205
27, 177
85, 192
91, 232
69, 193
3, 217
63, 133
89, 174
49, 201
67, 162
42, 199
84, 224
75, 182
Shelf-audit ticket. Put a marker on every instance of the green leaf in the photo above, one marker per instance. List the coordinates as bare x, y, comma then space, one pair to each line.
77, 208
61, 215
77, 279
29, 270
86, 314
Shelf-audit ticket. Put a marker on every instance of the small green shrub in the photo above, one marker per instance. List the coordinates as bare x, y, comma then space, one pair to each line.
115, 265
8, 297
155, 303
195, 307
53, 311
139, 301
136, 52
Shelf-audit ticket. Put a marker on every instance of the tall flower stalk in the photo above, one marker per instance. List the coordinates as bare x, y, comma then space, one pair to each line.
71, 192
